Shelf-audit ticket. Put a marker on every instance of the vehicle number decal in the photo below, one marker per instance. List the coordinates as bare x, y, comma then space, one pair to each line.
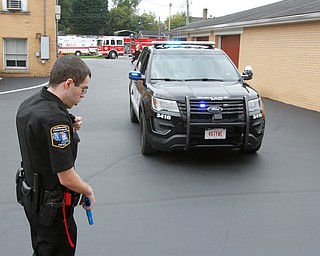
163, 116
257, 116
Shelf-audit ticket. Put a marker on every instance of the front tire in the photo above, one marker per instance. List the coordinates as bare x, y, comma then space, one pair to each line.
251, 150
112, 55
146, 148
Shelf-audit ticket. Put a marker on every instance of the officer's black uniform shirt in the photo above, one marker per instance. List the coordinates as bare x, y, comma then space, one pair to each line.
48, 142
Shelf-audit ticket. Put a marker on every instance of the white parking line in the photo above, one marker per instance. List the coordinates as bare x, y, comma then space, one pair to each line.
25, 89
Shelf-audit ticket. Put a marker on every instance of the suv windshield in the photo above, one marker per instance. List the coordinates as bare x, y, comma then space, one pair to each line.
173, 67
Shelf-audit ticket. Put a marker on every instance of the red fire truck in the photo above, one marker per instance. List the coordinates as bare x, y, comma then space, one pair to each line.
143, 42
111, 47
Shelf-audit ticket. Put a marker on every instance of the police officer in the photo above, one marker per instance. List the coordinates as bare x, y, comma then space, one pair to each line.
48, 141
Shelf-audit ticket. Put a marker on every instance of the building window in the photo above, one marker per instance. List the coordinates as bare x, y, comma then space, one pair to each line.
14, 5
15, 53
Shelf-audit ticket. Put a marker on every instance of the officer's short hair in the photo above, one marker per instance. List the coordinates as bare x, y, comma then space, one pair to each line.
68, 66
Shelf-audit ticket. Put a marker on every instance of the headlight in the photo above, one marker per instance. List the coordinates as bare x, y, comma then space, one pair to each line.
167, 105
254, 105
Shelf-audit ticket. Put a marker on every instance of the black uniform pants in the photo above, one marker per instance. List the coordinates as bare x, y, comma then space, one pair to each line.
53, 240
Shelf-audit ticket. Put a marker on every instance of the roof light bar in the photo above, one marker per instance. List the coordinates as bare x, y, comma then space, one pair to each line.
184, 43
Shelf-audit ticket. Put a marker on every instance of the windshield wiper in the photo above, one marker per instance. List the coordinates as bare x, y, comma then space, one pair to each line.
167, 79
205, 79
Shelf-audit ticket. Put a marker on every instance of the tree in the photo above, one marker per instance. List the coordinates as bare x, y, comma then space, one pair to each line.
147, 21
89, 17
129, 3
93, 18
177, 20
125, 18
119, 18
66, 13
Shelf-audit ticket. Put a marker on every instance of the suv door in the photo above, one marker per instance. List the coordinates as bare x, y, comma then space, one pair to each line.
137, 88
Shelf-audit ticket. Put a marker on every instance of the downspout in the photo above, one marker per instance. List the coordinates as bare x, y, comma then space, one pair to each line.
44, 17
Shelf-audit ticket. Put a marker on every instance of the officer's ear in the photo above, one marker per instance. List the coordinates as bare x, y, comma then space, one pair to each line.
68, 83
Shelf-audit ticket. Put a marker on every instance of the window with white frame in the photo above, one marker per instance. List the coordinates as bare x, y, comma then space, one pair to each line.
14, 5
15, 53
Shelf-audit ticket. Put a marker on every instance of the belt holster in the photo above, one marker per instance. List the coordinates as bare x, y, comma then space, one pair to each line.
19, 180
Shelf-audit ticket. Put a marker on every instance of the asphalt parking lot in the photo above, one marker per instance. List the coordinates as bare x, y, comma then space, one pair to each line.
182, 203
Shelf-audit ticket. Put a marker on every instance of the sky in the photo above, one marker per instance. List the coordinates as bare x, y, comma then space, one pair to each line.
215, 8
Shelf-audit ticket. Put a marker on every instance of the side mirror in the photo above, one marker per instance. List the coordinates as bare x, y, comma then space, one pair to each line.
247, 73
135, 75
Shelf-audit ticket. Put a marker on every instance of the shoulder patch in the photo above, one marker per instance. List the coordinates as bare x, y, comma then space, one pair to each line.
60, 136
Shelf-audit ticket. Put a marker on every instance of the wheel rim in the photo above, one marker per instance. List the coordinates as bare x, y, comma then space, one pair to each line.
113, 55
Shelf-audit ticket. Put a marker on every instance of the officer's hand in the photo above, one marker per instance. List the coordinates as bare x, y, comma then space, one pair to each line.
92, 200
77, 122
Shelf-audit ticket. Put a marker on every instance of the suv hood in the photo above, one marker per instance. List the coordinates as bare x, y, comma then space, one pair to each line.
215, 90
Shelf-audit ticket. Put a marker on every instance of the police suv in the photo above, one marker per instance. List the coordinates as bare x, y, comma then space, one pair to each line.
188, 95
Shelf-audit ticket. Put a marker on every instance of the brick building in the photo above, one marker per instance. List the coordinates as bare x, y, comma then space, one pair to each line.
27, 37
280, 41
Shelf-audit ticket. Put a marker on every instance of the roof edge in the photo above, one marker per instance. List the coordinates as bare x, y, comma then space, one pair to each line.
253, 23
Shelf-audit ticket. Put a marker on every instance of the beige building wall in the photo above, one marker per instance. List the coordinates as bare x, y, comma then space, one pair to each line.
37, 21
285, 61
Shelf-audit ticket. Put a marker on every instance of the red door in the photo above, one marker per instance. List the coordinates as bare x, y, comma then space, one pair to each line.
231, 45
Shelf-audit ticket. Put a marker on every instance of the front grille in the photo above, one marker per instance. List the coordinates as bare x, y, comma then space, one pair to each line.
231, 111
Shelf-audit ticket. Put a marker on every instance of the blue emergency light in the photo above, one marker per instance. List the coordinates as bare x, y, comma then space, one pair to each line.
202, 104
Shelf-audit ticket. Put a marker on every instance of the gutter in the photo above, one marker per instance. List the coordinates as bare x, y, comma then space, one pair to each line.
252, 23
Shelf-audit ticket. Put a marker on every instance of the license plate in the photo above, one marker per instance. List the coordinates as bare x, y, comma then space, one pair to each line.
215, 134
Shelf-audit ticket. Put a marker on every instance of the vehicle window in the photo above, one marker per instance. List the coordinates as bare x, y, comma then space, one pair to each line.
193, 67
143, 61
119, 42
138, 65
113, 42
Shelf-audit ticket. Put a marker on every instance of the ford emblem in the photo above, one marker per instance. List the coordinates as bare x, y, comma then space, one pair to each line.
215, 109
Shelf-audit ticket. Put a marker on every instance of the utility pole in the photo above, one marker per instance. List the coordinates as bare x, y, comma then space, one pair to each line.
169, 25
187, 18
159, 29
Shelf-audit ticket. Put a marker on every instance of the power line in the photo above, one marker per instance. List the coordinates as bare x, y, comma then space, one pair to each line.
163, 5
